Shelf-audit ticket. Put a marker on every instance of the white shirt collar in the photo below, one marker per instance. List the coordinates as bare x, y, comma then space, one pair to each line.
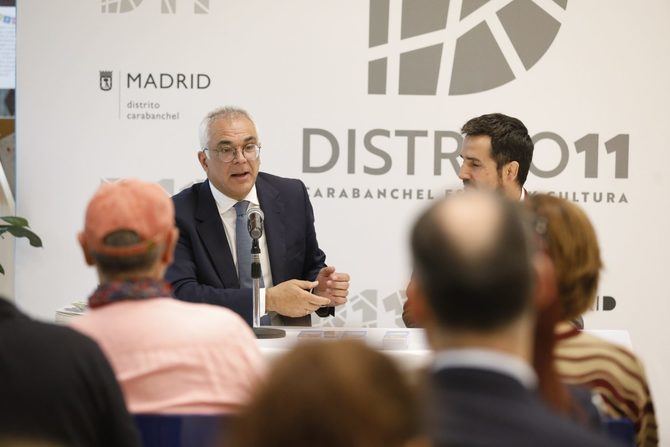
487, 359
523, 195
225, 203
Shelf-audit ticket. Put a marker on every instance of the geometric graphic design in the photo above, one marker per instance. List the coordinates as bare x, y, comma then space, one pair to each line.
529, 28
377, 76
363, 310
471, 6
459, 46
422, 17
119, 6
201, 6
414, 78
479, 64
166, 6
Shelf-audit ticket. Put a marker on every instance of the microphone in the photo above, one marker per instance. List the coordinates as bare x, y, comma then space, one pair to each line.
255, 223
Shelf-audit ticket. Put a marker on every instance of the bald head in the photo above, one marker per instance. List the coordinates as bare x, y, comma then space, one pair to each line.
471, 222
473, 259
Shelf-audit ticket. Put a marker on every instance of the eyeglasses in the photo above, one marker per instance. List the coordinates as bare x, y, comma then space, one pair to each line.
227, 154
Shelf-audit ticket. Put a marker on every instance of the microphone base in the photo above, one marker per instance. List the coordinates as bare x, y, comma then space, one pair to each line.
268, 332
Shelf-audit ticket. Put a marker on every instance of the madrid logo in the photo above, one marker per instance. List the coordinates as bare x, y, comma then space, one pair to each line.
457, 46
105, 81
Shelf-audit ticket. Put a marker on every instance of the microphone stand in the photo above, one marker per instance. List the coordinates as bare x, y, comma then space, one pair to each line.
260, 331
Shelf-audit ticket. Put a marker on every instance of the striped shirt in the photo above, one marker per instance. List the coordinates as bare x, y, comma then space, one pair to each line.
614, 373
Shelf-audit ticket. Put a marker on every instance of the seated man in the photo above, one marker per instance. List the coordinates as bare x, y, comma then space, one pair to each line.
212, 261
57, 388
475, 268
583, 359
497, 152
169, 356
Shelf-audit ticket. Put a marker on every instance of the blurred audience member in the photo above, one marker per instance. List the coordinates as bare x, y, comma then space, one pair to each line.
476, 272
57, 388
169, 356
572, 402
337, 394
582, 359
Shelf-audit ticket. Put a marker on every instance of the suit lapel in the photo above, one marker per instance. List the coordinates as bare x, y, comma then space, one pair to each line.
273, 209
213, 236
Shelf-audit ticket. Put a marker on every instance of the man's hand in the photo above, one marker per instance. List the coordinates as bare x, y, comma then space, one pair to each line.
332, 285
292, 299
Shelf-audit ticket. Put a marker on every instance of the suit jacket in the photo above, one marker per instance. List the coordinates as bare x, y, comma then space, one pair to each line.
203, 269
476, 407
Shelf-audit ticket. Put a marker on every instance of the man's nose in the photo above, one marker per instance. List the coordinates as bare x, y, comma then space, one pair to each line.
239, 157
464, 173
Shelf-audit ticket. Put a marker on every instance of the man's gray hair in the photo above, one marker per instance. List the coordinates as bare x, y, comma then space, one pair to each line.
221, 112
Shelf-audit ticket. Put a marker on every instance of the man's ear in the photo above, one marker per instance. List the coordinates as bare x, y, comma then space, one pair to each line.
84, 247
418, 303
546, 287
511, 171
202, 158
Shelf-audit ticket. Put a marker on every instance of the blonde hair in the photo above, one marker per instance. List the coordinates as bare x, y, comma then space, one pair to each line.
573, 247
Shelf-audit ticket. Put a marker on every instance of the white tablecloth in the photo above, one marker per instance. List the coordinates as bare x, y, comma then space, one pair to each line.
407, 346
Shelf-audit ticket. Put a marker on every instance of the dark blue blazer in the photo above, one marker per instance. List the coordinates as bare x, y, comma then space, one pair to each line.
478, 408
203, 270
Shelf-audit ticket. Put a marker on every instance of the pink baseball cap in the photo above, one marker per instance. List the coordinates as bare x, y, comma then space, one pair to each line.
128, 204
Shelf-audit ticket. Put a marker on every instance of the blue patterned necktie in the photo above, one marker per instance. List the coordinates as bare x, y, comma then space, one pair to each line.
243, 246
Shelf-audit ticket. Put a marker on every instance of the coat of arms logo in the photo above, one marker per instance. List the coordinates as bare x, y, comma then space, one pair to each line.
105, 80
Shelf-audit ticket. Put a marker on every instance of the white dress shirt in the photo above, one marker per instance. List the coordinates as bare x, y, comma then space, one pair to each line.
228, 215
489, 360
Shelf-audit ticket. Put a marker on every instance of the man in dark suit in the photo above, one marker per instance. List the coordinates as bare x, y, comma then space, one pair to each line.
476, 274
212, 256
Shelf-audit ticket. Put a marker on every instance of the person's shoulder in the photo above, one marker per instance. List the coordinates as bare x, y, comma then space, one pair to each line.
538, 425
188, 194
587, 344
208, 323
280, 182
203, 314
286, 187
186, 200
515, 414
57, 339
88, 323
564, 432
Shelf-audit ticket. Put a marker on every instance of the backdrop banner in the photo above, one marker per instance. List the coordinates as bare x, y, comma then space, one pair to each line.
363, 101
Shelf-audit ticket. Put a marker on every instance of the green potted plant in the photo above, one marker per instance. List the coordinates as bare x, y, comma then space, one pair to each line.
18, 227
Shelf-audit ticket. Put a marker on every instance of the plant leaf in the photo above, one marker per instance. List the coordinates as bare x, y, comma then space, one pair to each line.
15, 220
34, 239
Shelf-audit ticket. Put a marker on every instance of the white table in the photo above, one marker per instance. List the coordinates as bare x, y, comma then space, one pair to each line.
413, 355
